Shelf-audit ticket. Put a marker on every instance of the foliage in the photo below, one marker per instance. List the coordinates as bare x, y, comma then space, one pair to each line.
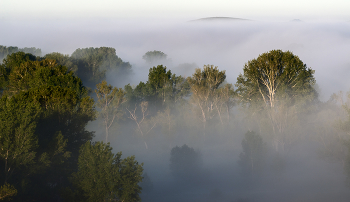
62, 110
273, 77
209, 98
162, 89
104, 176
148, 102
64, 60
93, 63
7, 191
275, 86
18, 116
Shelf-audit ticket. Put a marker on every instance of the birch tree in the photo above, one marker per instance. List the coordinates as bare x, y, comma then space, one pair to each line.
279, 84
109, 100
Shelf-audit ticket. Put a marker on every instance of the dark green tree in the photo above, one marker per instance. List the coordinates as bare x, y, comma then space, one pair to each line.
18, 143
64, 60
103, 176
63, 112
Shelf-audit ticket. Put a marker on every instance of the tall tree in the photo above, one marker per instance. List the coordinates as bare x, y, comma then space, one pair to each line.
273, 77
276, 85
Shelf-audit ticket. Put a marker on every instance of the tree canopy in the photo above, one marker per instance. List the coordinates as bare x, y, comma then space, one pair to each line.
274, 77
104, 176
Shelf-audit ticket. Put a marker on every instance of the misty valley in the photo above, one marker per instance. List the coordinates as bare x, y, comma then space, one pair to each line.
92, 126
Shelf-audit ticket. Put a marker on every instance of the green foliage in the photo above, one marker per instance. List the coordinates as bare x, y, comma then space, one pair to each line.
62, 110
252, 156
274, 77
18, 116
7, 191
63, 60
163, 89
103, 176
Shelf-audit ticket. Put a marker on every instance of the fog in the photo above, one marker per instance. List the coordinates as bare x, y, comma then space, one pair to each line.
323, 46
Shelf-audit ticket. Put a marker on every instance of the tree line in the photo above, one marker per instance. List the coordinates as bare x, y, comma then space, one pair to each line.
46, 103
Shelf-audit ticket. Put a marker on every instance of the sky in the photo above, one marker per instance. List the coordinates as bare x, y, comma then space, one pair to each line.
254, 9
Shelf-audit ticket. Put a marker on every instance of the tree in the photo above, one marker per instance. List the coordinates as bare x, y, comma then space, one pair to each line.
185, 162
274, 77
109, 100
62, 109
103, 176
155, 57
161, 92
18, 117
251, 158
63, 60
276, 85
208, 97
93, 63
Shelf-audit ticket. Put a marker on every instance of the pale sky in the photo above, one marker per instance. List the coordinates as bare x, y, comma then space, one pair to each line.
251, 9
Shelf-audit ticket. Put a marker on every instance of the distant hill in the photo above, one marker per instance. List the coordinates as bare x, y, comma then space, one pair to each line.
219, 19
